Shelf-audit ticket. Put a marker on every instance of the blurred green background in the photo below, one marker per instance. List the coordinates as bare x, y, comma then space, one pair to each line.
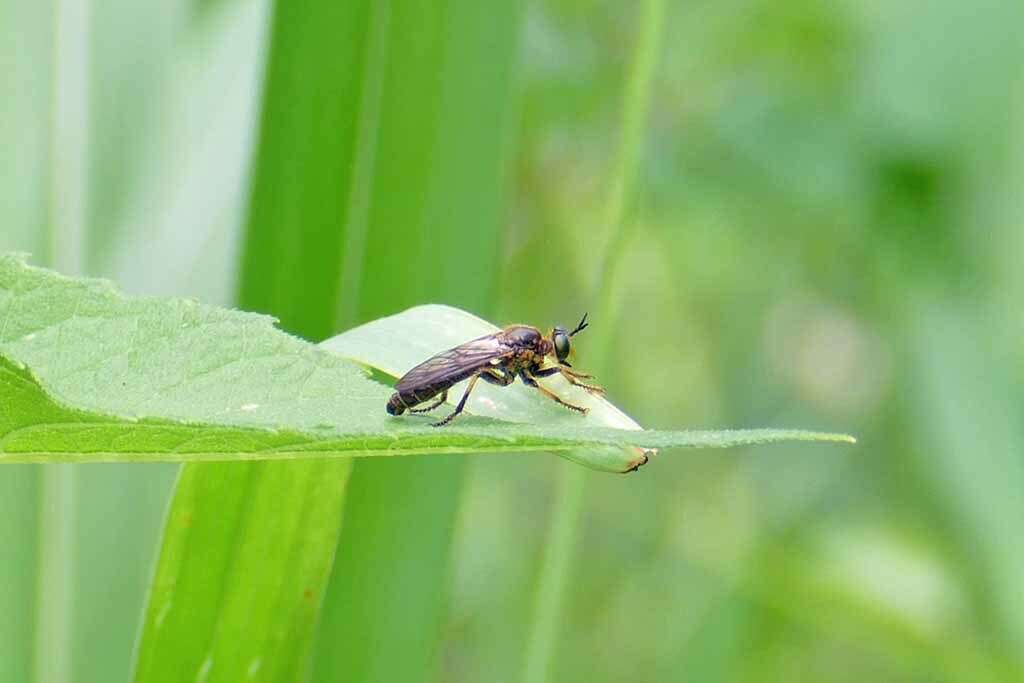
794, 213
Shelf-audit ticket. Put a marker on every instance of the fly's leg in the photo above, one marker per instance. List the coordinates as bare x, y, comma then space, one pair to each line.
530, 381
573, 380
498, 377
571, 376
578, 375
491, 375
462, 402
440, 399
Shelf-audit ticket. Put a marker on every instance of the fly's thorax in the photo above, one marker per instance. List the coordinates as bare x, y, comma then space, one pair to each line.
524, 359
522, 336
545, 347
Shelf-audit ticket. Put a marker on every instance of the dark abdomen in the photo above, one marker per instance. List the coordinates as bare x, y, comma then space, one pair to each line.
401, 400
395, 404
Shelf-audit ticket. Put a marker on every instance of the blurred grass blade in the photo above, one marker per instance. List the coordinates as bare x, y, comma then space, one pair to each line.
19, 526
173, 110
68, 154
247, 551
973, 456
424, 227
27, 31
554, 582
290, 268
549, 601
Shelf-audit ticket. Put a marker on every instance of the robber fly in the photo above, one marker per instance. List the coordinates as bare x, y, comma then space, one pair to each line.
517, 350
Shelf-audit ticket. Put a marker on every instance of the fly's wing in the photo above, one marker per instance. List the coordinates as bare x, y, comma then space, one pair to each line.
453, 365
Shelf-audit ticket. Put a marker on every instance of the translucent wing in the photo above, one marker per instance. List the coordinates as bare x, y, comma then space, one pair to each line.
453, 365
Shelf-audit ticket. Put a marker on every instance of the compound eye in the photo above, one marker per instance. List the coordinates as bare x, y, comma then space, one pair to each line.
561, 340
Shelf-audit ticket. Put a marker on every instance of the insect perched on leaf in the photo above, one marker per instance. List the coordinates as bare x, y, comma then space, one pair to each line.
517, 350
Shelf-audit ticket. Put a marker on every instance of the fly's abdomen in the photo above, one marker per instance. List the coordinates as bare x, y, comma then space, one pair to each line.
439, 373
396, 406
407, 398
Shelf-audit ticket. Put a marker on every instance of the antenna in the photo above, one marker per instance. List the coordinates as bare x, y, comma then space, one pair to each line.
582, 326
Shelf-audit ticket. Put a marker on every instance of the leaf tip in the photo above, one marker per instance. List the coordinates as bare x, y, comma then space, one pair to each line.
643, 457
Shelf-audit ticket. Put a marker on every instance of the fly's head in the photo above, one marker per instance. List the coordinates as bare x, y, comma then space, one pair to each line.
560, 343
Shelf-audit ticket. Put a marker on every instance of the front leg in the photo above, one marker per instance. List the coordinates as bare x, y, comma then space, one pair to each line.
566, 370
571, 377
530, 381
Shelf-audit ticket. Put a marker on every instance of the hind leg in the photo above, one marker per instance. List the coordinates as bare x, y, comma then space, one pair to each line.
440, 399
462, 403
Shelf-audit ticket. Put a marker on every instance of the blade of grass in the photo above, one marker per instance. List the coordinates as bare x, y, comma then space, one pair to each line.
26, 68
46, 196
290, 268
557, 563
247, 550
963, 412
56, 574
306, 165
442, 71
560, 549
69, 125
19, 527
172, 109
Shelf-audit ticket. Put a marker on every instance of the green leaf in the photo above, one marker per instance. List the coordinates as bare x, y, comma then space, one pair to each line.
91, 376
